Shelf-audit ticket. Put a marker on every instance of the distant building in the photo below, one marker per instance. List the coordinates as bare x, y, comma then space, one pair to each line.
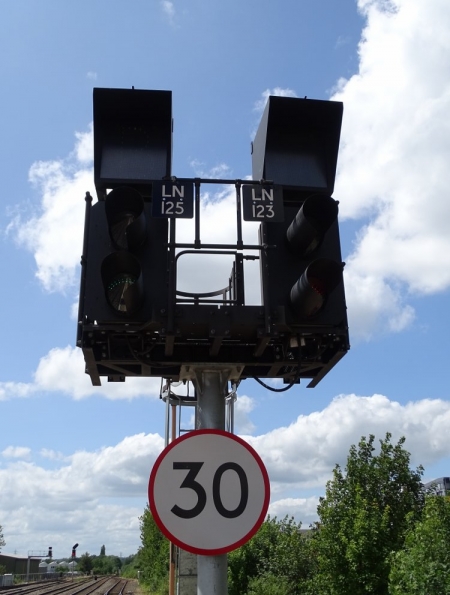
52, 566
439, 486
63, 564
18, 564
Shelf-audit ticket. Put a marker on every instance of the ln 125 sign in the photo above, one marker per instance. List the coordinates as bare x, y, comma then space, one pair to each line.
173, 199
209, 492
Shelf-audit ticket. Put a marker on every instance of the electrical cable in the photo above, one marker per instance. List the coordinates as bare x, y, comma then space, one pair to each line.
291, 384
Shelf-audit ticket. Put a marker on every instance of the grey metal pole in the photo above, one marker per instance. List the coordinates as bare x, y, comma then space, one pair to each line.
211, 388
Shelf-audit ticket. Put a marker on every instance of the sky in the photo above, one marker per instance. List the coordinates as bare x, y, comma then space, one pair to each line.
75, 459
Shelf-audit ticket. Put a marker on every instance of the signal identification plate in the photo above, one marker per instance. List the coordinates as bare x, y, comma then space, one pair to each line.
262, 202
173, 199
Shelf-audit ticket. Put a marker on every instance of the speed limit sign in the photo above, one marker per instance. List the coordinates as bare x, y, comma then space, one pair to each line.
209, 492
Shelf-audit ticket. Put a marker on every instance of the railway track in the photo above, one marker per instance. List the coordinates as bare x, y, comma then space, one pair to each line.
102, 586
120, 588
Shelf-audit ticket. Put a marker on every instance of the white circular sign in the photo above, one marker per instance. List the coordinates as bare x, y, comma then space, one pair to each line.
209, 492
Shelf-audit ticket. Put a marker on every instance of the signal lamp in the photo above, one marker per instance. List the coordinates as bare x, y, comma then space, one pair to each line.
310, 293
124, 208
122, 281
312, 221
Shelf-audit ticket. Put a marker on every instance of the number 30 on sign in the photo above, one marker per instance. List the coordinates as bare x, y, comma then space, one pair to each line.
209, 492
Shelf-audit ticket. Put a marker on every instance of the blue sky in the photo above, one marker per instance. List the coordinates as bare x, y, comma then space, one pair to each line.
74, 459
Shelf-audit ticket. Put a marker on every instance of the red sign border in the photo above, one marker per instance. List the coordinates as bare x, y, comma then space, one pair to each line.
186, 546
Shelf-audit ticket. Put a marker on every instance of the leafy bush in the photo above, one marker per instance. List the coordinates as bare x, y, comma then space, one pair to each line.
423, 565
268, 584
278, 550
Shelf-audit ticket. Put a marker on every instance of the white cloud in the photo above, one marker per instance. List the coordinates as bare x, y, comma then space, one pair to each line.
243, 406
79, 496
74, 382
219, 171
302, 509
341, 41
373, 305
16, 452
14, 389
84, 146
54, 232
168, 8
393, 163
74, 309
52, 455
304, 453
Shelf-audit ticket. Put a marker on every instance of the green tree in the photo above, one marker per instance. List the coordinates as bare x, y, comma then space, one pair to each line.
85, 563
102, 551
2, 540
423, 565
106, 564
100, 565
276, 560
130, 566
153, 556
249, 561
364, 518
268, 584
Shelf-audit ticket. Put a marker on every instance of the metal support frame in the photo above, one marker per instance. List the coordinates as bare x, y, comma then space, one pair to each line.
34, 554
194, 328
214, 410
211, 388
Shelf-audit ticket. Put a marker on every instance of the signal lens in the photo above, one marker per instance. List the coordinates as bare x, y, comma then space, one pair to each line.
310, 293
116, 290
124, 209
312, 221
118, 230
122, 281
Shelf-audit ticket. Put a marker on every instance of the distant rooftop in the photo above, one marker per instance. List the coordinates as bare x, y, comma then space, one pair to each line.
440, 486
